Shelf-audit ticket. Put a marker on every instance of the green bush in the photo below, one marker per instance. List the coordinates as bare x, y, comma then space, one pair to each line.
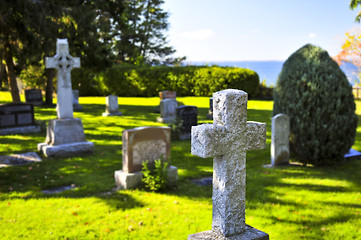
317, 96
132, 80
84, 80
155, 175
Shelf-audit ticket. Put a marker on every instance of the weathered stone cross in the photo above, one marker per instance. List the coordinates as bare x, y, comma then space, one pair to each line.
63, 62
228, 139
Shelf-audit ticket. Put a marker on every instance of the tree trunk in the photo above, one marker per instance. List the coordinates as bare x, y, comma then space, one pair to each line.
50, 74
10, 70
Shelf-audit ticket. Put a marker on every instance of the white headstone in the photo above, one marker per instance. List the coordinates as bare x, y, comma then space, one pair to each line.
111, 106
227, 140
75, 97
63, 62
280, 146
168, 110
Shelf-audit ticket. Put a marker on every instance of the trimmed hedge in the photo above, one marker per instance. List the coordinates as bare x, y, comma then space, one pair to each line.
130, 80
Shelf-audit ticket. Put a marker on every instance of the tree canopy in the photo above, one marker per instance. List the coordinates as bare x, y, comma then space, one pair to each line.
100, 32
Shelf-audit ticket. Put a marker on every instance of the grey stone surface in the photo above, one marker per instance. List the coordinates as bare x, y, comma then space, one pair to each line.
66, 150
227, 140
20, 130
280, 140
34, 96
111, 106
250, 233
76, 105
63, 62
168, 110
19, 159
188, 116
63, 131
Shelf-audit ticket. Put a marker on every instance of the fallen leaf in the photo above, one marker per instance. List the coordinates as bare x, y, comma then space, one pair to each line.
140, 223
74, 213
130, 229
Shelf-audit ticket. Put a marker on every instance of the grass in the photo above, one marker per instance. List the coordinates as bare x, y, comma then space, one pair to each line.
288, 202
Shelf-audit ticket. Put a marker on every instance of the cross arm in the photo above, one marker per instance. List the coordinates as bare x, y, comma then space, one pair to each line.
208, 140
256, 135
50, 62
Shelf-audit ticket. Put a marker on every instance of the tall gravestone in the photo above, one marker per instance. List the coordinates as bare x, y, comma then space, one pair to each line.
280, 145
168, 110
188, 116
140, 145
210, 111
227, 140
111, 106
65, 135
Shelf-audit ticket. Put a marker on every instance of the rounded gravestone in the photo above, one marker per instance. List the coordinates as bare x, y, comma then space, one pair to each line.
314, 92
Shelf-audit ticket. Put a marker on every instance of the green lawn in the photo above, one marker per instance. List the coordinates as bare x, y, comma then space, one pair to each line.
287, 203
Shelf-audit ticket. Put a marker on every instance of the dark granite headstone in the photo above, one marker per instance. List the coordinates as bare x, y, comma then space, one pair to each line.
188, 114
210, 111
16, 115
34, 96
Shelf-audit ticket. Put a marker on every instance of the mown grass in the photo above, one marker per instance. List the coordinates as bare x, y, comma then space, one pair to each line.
288, 202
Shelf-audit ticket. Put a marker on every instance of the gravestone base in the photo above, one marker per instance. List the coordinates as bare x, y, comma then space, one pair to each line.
106, 114
165, 120
36, 103
65, 137
250, 234
66, 150
20, 130
125, 180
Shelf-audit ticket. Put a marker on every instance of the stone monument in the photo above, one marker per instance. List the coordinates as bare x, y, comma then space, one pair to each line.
280, 145
34, 96
168, 110
111, 106
76, 105
65, 135
227, 140
139, 145
188, 116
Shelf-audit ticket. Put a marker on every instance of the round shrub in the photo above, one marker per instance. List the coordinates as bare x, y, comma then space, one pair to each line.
314, 92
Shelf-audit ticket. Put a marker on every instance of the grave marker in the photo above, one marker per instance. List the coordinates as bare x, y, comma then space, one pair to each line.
76, 105
188, 115
280, 145
111, 106
140, 145
34, 96
65, 135
167, 95
210, 111
227, 140
168, 110
17, 118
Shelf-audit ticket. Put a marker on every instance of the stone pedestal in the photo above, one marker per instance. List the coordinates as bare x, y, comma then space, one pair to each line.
125, 180
65, 137
249, 234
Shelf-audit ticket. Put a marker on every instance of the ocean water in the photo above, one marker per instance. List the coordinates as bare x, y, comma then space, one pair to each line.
269, 70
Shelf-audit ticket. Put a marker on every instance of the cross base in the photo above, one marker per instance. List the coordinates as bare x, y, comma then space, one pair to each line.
250, 234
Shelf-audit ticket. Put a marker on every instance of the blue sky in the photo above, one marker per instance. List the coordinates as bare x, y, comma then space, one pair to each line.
239, 30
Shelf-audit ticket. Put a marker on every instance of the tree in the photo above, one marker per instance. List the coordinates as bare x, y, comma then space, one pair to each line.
354, 4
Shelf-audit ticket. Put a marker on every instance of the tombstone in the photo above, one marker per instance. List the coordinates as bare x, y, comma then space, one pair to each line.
210, 111
227, 140
17, 118
167, 95
188, 116
65, 135
34, 96
280, 145
168, 111
76, 105
140, 145
111, 106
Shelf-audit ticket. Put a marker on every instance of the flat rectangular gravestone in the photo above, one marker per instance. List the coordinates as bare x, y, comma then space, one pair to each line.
210, 111
76, 105
280, 145
167, 95
144, 143
34, 97
188, 116
227, 140
140, 145
16, 114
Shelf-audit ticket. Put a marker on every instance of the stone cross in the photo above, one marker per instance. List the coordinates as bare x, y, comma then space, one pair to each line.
228, 139
64, 63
